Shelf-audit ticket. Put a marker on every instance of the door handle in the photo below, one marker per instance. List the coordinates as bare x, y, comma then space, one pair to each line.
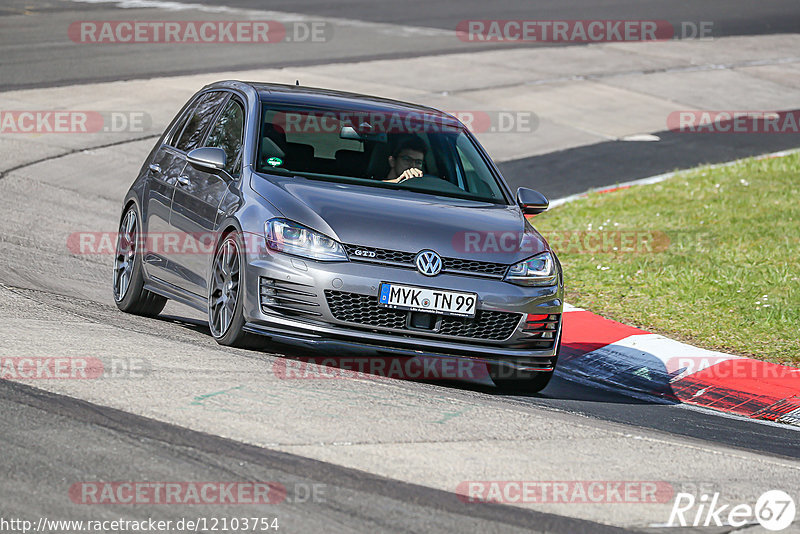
155, 167
183, 180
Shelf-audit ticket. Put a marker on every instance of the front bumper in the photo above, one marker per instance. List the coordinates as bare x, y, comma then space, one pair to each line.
300, 313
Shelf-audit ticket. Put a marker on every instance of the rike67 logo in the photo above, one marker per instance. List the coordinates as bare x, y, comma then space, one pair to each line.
774, 510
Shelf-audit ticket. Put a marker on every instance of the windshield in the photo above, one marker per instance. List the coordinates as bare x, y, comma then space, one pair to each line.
395, 150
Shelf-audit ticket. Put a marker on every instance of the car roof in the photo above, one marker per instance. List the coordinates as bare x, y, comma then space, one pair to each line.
315, 97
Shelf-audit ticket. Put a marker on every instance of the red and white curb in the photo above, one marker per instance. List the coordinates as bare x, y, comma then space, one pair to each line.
607, 353
603, 352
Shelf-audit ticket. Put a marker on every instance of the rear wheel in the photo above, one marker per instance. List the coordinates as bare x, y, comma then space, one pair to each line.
225, 294
129, 292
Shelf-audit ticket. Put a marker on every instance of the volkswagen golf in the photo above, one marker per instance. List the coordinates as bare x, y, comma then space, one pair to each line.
341, 222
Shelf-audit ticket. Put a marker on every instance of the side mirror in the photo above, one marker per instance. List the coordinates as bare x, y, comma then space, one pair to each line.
531, 202
348, 132
207, 159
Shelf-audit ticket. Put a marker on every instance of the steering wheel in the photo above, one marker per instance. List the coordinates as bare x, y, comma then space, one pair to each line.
419, 179
434, 183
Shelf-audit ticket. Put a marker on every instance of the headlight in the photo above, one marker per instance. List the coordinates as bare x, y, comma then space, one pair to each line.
292, 238
539, 270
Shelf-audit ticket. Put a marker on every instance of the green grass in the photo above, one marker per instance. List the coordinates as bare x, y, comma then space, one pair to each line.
728, 278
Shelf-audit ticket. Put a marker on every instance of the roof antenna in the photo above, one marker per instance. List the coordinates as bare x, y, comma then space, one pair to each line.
297, 82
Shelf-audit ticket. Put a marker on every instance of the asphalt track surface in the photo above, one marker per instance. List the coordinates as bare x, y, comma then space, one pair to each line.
35, 50
48, 439
119, 446
568, 172
733, 17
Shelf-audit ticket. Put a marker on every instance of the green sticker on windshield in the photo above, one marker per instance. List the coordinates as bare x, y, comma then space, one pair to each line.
274, 162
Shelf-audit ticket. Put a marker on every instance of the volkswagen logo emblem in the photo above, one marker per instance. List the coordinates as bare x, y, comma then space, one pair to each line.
429, 263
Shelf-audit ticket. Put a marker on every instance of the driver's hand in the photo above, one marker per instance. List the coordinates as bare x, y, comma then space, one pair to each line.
413, 172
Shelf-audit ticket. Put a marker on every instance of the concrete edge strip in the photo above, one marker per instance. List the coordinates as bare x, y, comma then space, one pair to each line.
600, 351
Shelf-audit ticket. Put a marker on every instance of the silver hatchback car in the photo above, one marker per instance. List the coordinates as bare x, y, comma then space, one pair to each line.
338, 221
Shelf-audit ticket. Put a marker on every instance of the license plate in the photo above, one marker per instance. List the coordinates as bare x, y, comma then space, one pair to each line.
421, 299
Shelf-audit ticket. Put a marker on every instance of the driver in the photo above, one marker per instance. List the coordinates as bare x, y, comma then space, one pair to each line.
407, 159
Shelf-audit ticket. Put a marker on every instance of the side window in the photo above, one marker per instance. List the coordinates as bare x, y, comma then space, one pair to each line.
198, 122
479, 179
172, 140
228, 134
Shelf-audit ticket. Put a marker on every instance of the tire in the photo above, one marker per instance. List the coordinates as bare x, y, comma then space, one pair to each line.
225, 294
129, 292
530, 383
535, 383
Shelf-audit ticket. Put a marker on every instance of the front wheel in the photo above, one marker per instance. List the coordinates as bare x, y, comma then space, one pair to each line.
515, 382
129, 292
225, 294
534, 383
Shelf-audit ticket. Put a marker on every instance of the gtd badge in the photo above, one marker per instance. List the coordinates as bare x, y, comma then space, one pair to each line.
429, 263
364, 253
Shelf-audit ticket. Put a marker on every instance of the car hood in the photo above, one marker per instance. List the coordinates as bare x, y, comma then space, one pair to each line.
404, 220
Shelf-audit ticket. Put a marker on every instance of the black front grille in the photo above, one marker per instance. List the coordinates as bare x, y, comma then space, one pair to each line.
486, 325
365, 311
406, 259
472, 266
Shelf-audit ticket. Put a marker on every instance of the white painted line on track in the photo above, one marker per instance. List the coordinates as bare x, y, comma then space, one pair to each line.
667, 175
156, 4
